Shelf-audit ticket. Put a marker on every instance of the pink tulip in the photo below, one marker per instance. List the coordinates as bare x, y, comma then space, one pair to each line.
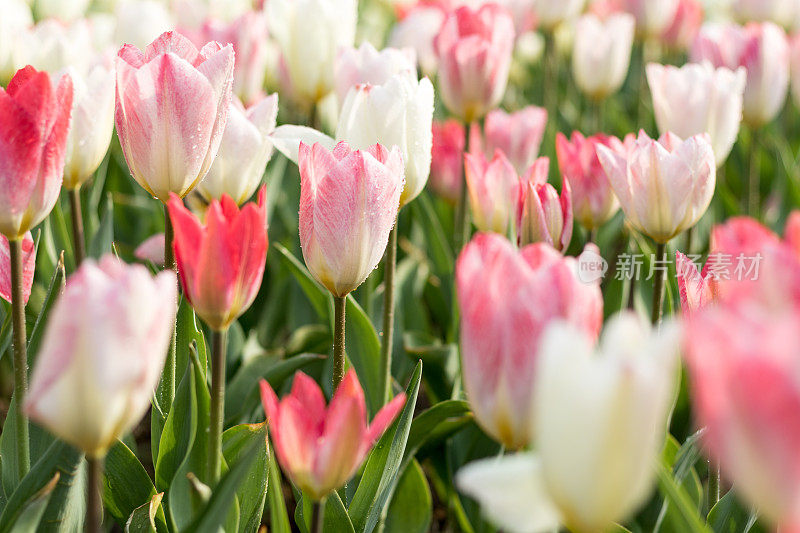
518, 135
507, 297
102, 353
496, 192
665, 185
652, 16
34, 121
319, 447
593, 200
172, 106
152, 249
248, 35
601, 54
546, 217
28, 267
222, 262
474, 49
348, 205
685, 25
697, 289
763, 49
447, 163
417, 29
792, 232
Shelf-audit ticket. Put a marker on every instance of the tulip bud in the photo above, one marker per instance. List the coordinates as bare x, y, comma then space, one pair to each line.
319, 447
551, 13
763, 49
222, 262
309, 34
474, 49
34, 121
602, 53
28, 267
593, 201
366, 65
546, 217
697, 290
518, 135
622, 392
697, 99
397, 113
447, 162
496, 192
664, 186
506, 298
417, 30
102, 353
652, 16
172, 106
244, 152
92, 122
348, 205
13, 24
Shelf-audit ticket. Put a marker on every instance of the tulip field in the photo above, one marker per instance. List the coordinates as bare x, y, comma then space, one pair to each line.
400, 266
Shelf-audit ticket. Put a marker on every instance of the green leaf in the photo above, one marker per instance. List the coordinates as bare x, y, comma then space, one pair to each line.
439, 248
102, 241
440, 360
412, 507
213, 516
241, 394
335, 518
179, 431
60, 458
681, 459
40, 441
57, 284
382, 469
363, 349
126, 486
440, 420
318, 296
144, 519
67, 506
31, 516
680, 499
729, 516
278, 519
252, 493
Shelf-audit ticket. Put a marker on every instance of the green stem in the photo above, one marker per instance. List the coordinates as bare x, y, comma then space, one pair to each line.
94, 502
713, 484
592, 236
658, 282
388, 314
78, 239
340, 306
753, 200
20, 358
689, 240
551, 83
461, 228
317, 516
641, 93
218, 341
168, 392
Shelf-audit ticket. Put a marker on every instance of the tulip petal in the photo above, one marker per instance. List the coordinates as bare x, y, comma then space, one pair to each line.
28, 267
287, 140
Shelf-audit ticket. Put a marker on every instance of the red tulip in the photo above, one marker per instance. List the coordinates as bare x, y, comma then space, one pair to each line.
321, 448
34, 121
507, 297
221, 264
28, 267
474, 48
447, 162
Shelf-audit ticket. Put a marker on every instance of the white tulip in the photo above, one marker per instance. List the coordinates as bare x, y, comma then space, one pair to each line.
244, 152
696, 99
417, 30
14, 21
365, 64
309, 34
551, 13
140, 22
602, 53
52, 46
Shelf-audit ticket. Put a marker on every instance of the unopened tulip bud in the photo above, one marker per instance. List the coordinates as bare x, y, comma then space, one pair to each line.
546, 216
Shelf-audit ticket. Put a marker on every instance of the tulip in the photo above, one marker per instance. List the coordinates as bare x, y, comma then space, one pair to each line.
696, 99
248, 35
593, 201
14, 22
447, 162
152, 249
663, 189
781, 12
309, 34
102, 353
172, 106
551, 13
652, 16
496, 192
366, 65
474, 49
518, 135
319, 447
397, 113
152, 19
506, 299
685, 25
417, 30
53, 45
602, 53
34, 121
546, 217
244, 152
763, 49
28, 267
697, 289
